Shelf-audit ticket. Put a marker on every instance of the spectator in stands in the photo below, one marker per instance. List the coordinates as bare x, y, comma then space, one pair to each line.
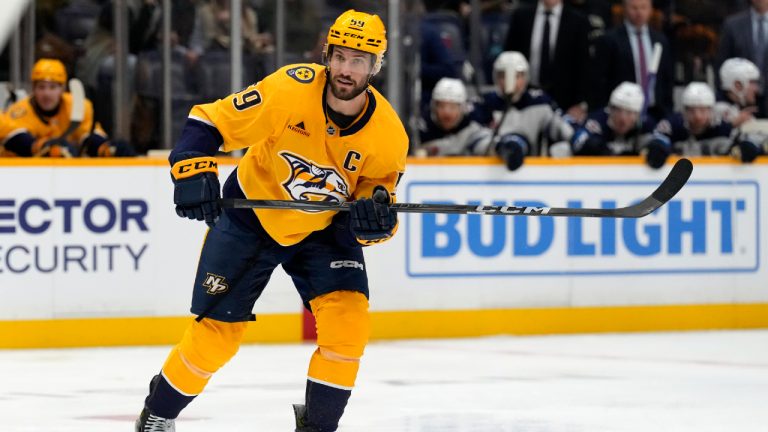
555, 39
447, 129
695, 46
625, 54
526, 120
50, 42
377, 6
96, 67
697, 131
745, 35
46, 116
144, 23
144, 19
185, 26
709, 13
212, 29
618, 129
598, 13
304, 35
442, 47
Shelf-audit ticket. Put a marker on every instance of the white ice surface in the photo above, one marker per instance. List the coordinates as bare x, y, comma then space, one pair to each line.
698, 382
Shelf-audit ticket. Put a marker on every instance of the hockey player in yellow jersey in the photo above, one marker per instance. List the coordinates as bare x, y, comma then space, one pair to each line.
45, 114
312, 132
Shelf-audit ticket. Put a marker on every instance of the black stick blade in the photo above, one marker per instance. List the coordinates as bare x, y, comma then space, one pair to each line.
675, 181
671, 185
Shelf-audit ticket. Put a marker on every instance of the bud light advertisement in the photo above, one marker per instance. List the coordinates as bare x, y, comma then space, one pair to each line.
709, 227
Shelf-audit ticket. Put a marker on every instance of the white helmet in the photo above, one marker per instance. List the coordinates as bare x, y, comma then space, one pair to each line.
698, 94
736, 70
628, 96
510, 63
450, 90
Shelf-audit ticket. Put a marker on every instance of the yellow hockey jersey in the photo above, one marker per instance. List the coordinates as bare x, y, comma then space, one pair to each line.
23, 114
295, 151
8, 128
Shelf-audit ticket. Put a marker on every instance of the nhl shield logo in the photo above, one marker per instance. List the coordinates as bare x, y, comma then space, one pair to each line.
310, 182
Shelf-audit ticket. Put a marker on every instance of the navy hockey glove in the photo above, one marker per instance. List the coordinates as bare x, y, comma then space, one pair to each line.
55, 148
116, 148
746, 150
593, 146
656, 153
98, 146
512, 148
371, 220
196, 190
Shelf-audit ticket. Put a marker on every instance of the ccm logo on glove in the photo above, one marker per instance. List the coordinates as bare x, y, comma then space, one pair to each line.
196, 189
189, 167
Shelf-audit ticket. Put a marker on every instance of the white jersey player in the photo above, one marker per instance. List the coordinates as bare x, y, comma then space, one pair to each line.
448, 130
530, 123
618, 129
740, 82
694, 132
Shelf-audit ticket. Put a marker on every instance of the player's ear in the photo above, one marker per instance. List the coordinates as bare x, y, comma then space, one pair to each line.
327, 51
372, 58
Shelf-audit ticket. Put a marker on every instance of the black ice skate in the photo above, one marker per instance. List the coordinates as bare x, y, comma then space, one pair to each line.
148, 422
300, 411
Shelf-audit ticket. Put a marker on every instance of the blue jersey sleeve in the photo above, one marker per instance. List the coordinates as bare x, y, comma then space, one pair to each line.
197, 139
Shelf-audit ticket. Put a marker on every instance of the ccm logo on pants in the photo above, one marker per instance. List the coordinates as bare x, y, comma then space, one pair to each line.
346, 263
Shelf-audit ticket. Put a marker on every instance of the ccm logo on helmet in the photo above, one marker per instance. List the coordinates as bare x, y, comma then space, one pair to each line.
347, 264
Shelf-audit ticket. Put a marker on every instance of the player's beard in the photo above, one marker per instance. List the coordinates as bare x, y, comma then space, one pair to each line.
347, 93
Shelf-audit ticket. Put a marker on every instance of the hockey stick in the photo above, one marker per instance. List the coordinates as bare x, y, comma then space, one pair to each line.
668, 188
77, 114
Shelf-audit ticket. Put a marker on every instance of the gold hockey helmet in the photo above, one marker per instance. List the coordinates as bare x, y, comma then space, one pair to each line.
49, 70
360, 31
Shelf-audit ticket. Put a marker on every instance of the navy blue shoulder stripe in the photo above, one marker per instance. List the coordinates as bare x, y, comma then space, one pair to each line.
197, 137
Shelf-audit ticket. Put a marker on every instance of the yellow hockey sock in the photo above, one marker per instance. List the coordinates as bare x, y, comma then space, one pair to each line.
206, 346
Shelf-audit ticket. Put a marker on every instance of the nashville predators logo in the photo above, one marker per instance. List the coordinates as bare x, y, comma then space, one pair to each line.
310, 182
216, 284
301, 74
17, 113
